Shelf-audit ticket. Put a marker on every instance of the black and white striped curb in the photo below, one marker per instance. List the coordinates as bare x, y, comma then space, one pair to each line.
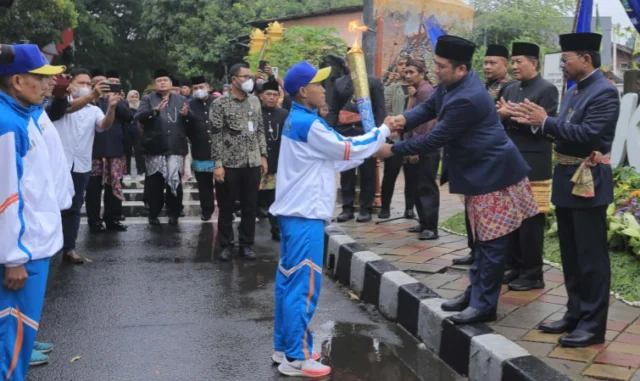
474, 350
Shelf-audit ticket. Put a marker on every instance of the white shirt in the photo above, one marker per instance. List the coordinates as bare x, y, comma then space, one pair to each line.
77, 131
60, 171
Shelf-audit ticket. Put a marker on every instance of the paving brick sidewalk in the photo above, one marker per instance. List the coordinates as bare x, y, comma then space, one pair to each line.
519, 312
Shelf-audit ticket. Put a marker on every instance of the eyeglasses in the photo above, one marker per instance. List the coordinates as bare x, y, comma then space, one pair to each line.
564, 60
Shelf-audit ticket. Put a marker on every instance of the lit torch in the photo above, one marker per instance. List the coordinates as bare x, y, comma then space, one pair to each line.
358, 69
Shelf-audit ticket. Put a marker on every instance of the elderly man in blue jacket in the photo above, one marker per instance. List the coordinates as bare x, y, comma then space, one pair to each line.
582, 186
480, 162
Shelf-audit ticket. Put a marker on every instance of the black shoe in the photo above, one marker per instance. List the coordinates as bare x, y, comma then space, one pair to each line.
409, 214
121, 218
97, 227
458, 304
173, 220
580, 339
117, 226
226, 254
416, 229
154, 221
345, 216
247, 253
510, 275
384, 213
470, 315
364, 216
428, 235
560, 326
466, 260
205, 217
522, 284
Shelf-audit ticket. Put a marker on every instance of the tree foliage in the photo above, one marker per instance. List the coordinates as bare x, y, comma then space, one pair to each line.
37, 21
505, 21
200, 35
301, 44
109, 36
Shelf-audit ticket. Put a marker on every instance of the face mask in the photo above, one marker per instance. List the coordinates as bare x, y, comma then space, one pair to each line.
225, 93
200, 94
82, 91
247, 86
134, 104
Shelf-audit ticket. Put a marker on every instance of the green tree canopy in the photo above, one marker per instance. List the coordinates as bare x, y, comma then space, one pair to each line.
302, 43
37, 21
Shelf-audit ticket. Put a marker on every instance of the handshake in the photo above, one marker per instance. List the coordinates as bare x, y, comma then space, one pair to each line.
395, 124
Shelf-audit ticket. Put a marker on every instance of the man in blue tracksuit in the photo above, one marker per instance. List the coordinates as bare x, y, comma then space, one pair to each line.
311, 153
29, 209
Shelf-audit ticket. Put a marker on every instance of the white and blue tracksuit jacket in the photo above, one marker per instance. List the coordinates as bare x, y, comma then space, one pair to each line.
29, 208
311, 153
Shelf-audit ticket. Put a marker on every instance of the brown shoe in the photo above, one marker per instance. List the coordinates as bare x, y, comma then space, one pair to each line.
72, 256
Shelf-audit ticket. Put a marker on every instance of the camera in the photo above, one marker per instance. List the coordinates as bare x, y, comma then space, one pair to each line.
7, 54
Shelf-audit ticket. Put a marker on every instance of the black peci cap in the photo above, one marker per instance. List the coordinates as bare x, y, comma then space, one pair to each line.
455, 48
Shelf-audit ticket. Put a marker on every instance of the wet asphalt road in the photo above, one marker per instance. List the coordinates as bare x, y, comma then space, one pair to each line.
153, 305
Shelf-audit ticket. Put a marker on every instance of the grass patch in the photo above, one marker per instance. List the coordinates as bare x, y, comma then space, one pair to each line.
625, 268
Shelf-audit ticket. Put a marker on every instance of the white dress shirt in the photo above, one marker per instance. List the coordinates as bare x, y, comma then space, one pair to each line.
77, 131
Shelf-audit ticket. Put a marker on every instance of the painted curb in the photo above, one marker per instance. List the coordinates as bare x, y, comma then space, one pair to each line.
474, 351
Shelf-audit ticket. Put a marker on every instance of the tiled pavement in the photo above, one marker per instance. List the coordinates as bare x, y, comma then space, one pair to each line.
519, 312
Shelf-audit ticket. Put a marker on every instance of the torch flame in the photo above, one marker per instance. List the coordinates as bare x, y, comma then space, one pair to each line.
356, 26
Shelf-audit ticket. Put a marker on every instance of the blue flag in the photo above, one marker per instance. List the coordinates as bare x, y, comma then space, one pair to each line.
584, 23
434, 29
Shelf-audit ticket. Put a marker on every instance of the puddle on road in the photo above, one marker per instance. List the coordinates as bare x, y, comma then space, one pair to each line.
356, 356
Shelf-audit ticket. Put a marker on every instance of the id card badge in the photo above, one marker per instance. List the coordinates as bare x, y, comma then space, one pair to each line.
250, 126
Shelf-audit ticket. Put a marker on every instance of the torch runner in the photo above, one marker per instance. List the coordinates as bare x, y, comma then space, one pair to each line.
358, 69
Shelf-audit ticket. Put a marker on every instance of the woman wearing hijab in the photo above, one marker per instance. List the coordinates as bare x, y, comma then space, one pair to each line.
133, 98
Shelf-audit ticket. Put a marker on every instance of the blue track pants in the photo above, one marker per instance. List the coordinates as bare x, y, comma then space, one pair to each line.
298, 282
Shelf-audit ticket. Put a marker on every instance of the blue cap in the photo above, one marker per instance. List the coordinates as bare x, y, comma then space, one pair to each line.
29, 59
302, 74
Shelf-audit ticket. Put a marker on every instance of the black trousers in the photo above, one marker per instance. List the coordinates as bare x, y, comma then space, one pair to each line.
392, 167
265, 199
428, 200
155, 189
135, 148
206, 193
586, 266
467, 223
526, 245
112, 205
367, 171
243, 184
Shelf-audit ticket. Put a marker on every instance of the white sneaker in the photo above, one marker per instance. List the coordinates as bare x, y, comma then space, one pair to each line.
127, 178
141, 177
305, 368
278, 357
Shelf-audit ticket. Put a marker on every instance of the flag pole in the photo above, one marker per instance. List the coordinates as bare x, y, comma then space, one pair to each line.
573, 30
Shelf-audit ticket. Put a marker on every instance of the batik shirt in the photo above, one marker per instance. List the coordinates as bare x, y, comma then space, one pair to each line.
495, 88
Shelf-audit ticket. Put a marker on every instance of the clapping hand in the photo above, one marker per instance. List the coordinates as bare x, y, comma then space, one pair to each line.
529, 113
184, 110
163, 103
